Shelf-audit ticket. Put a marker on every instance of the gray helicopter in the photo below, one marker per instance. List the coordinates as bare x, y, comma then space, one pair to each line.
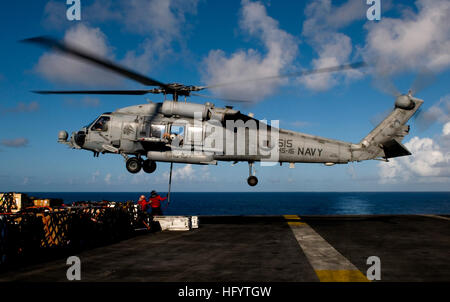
191, 133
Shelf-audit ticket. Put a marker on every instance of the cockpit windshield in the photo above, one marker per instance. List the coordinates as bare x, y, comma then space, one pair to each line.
101, 124
90, 124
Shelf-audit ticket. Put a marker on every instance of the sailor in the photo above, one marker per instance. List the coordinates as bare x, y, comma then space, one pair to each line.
143, 203
155, 203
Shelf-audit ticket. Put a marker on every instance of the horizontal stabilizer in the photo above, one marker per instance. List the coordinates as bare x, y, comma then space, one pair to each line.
393, 148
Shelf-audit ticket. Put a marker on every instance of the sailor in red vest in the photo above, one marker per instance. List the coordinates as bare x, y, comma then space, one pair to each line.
142, 202
155, 203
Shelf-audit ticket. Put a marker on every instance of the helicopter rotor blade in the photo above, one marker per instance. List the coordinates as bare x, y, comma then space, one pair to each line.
385, 84
107, 92
423, 79
72, 50
290, 75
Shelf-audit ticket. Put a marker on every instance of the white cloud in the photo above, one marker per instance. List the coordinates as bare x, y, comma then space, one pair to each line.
413, 41
157, 17
21, 108
162, 22
94, 176
184, 173
108, 178
439, 112
320, 29
65, 69
188, 173
15, 143
430, 161
281, 50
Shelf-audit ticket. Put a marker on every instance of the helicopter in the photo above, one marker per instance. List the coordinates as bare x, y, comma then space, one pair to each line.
190, 133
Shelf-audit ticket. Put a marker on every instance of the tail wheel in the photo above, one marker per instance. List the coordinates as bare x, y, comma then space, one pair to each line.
149, 166
252, 181
133, 165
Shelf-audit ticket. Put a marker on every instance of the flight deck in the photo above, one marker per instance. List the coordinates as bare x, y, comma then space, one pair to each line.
290, 248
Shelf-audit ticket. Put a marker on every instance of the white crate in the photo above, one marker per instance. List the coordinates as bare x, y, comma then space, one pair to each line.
194, 222
173, 223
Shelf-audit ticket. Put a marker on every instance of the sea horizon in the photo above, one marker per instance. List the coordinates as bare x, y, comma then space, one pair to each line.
279, 203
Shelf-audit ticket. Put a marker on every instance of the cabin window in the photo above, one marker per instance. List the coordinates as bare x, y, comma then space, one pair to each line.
101, 124
177, 130
158, 131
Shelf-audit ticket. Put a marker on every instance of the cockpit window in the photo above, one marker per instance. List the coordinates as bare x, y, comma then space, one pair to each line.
101, 124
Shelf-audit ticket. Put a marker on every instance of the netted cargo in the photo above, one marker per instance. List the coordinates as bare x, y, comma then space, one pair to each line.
55, 229
25, 232
38, 232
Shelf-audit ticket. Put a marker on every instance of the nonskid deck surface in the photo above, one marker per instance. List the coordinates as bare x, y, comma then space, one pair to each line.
290, 248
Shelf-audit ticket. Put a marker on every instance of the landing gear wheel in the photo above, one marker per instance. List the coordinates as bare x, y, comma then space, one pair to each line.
149, 166
252, 181
133, 165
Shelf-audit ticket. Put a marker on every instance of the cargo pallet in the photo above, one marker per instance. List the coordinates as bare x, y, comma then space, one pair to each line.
35, 233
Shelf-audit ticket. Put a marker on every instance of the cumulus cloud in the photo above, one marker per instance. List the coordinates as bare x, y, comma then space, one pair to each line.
320, 29
281, 50
439, 112
160, 17
188, 173
108, 178
430, 160
412, 41
65, 69
162, 22
21, 108
94, 177
15, 143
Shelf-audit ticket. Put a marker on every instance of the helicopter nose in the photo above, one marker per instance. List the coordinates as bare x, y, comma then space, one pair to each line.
80, 138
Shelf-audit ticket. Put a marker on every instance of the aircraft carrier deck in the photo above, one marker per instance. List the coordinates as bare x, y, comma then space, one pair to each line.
286, 248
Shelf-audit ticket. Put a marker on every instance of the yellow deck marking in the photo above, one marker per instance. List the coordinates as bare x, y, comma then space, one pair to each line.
327, 262
341, 276
291, 217
297, 223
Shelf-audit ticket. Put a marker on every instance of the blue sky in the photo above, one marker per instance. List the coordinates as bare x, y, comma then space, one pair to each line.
200, 42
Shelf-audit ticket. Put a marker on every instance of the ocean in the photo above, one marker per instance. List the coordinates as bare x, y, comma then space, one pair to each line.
276, 203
